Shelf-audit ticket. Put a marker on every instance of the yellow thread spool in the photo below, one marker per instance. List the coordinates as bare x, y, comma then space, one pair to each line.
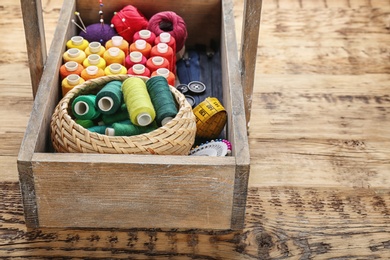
211, 118
95, 48
77, 42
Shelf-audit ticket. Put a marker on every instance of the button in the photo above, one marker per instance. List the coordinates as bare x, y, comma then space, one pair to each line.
196, 87
190, 100
183, 88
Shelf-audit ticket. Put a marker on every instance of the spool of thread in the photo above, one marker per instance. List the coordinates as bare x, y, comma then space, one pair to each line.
83, 107
114, 55
119, 116
163, 50
70, 82
211, 118
109, 98
118, 41
141, 46
100, 129
77, 42
168, 75
70, 67
162, 99
157, 62
115, 69
128, 21
95, 48
126, 128
172, 23
139, 70
135, 57
92, 72
146, 35
165, 37
98, 32
85, 123
94, 60
138, 101
74, 54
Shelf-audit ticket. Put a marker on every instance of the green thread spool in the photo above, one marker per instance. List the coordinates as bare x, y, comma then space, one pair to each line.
85, 123
100, 129
109, 98
126, 128
162, 99
83, 107
120, 115
138, 101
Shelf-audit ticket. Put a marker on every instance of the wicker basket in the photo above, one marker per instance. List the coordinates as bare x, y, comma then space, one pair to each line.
174, 138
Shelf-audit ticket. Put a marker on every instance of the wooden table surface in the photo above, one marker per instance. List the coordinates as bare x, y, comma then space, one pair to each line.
319, 139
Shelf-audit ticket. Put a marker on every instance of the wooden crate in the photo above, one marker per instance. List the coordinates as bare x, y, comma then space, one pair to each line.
134, 191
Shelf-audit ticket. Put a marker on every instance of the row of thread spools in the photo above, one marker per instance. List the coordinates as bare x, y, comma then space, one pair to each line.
148, 55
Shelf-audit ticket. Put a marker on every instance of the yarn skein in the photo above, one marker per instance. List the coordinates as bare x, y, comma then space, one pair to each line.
139, 70
162, 99
98, 32
128, 21
114, 55
156, 62
92, 72
77, 42
95, 48
118, 41
115, 69
135, 57
83, 107
109, 98
70, 67
137, 100
126, 128
172, 23
146, 35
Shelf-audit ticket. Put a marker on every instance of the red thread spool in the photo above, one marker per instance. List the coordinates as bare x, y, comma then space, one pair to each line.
139, 70
166, 74
135, 57
163, 50
146, 35
114, 55
118, 41
70, 67
141, 46
168, 39
156, 62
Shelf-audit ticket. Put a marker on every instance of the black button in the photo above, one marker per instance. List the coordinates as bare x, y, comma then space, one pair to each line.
190, 100
196, 87
183, 88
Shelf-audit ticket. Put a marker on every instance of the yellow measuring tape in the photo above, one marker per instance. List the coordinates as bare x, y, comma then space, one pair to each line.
211, 118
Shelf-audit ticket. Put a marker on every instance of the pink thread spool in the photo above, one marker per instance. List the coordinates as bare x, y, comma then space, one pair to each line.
139, 70
135, 57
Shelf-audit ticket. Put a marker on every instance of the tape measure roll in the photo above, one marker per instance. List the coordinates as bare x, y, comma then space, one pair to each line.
211, 118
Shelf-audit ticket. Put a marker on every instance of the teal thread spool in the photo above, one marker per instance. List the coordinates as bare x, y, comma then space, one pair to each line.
120, 115
109, 98
100, 129
85, 123
126, 128
138, 103
162, 99
83, 107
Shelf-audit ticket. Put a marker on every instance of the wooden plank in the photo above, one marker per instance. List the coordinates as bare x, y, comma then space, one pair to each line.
35, 39
249, 44
75, 191
282, 222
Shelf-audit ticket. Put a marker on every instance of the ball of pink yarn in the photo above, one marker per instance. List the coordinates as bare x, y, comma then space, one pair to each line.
171, 23
128, 21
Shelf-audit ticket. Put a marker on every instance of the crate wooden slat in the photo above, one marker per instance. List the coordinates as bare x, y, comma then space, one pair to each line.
80, 190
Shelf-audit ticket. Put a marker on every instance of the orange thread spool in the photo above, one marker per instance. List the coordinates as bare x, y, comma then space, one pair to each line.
114, 55
157, 62
163, 50
141, 46
92, 72
168, 39
70, 67
166, 74
118, 41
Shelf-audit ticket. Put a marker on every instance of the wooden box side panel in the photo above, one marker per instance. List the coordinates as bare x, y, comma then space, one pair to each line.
133, 194
202, 17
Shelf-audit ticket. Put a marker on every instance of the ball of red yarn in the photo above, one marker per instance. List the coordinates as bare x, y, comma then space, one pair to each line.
98, 32
171, 23
128, 21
